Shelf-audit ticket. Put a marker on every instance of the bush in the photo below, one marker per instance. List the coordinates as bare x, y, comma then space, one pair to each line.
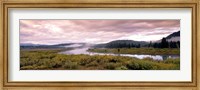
121, 68
133, 66
174, 61
94, 63
31, 60
110, 66
70, 65
27, 67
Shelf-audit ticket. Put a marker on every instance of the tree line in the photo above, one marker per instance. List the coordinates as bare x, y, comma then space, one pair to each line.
166, 44
163, 44
123, 45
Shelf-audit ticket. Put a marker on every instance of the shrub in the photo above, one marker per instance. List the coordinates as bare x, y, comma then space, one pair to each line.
27, 67
70, 65
31, 60
94, 63
133, 66
121, 68
110, 66
173, 61
41, 67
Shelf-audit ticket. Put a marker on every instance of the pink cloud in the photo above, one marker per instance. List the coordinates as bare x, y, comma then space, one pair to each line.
92, 31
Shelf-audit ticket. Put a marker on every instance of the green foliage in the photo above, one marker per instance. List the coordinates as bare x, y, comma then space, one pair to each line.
152, 51
121, 68
174, 61
51, 60
70, 65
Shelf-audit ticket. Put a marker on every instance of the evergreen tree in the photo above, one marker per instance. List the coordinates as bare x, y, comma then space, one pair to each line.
164, 43
150, 44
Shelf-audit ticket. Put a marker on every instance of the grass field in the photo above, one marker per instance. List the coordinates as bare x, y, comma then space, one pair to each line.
151, 51
51, 60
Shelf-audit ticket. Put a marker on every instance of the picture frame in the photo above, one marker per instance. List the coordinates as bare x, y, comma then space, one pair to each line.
194, 5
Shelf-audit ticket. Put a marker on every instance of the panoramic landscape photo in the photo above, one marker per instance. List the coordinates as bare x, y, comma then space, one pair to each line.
100, 44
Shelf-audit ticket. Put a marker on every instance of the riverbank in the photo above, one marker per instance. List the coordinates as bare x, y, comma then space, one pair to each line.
150, 51
51, 60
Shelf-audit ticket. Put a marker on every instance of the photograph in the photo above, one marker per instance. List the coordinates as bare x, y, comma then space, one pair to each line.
99, 44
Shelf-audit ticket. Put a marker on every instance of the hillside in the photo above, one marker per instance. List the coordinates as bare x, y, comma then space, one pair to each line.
122, 44
174, 36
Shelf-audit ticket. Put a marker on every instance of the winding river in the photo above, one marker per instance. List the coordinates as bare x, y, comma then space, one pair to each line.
83, 50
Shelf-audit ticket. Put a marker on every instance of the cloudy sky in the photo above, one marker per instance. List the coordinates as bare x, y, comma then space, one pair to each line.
94, 31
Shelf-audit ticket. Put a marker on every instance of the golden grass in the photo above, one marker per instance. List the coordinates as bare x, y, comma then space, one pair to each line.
51, 60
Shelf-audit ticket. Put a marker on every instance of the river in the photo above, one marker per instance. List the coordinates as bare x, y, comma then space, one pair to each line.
83, 50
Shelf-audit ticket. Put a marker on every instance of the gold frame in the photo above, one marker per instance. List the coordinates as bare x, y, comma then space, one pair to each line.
194, 4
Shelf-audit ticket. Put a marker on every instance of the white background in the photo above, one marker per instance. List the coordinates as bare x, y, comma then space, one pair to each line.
184, 74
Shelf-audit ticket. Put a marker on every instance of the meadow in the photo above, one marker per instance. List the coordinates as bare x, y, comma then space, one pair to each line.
150, 51
51, 60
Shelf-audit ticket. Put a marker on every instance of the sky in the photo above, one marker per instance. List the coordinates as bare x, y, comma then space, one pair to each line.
94, 31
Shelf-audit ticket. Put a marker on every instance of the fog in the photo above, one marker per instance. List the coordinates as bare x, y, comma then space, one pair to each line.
82, 49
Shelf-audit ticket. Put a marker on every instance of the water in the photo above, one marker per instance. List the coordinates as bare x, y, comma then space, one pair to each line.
83, 50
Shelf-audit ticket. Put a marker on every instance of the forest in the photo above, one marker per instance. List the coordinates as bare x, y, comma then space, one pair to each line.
134, 44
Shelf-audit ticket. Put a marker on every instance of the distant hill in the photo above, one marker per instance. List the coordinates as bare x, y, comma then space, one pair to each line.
63, 45
34, 46
29, 44
174, 36
127, 42
122, 44
170, 41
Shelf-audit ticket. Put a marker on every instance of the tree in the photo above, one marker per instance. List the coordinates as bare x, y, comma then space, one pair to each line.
178, 44
164, 43
150, 44
132, 45
129, 45
138, 46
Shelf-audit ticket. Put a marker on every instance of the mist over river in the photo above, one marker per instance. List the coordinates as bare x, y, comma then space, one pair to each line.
82, 49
